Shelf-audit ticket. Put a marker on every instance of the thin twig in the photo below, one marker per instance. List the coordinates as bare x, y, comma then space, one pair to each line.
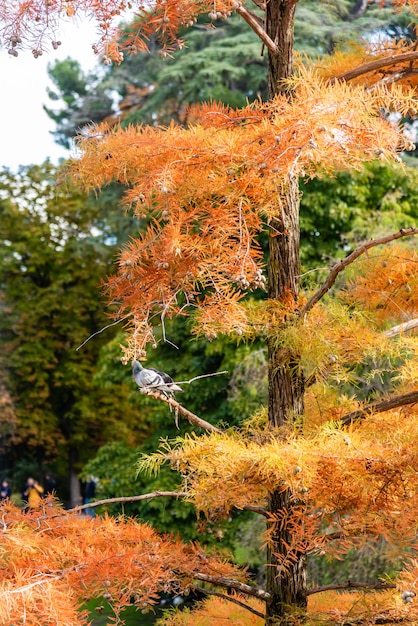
230, 583
338, 267
102, 330
380, 407
350, 585
187, 382
144, 496
211, 592
401, 328
375, 65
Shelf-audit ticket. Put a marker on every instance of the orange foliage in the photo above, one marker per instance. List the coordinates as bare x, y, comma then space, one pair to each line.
386, 282
206, 190
53, 560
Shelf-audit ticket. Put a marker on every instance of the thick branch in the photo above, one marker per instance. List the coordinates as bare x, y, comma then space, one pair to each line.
211, 592
375, 65
380, 407
350, 585
253, 22
230, 583
144, 496
402, 328
338, 267
180, 410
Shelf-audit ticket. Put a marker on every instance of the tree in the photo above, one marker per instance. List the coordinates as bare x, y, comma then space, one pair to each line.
210, 190
57, 245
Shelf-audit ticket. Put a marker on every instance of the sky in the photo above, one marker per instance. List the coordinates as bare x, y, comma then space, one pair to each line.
25, 130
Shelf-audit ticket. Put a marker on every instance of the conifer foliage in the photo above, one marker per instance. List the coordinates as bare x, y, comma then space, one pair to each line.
333, 462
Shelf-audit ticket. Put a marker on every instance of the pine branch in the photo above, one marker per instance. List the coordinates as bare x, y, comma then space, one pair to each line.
144, 496
211, 592
180, 410
401, 328
253, 22
338, 267
230, 583
375, 65
380, 407
350, 585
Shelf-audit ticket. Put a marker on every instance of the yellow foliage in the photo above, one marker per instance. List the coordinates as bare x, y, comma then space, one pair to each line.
358, 482
217, 611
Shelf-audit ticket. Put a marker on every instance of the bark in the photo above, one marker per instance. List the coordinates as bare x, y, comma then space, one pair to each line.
280, 15
286, 577
75, 491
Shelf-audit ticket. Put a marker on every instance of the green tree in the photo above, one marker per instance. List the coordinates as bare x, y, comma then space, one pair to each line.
57, 245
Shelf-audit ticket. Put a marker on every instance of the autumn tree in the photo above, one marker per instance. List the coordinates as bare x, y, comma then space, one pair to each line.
327, 468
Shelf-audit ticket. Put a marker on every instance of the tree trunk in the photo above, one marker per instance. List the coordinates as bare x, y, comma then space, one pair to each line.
75, 491
286, 571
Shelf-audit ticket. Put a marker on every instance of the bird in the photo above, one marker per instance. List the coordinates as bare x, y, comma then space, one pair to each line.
152, 378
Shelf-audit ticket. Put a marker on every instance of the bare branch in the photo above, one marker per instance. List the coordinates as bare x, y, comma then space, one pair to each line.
180, 410
350, 585
338, 267
221, 581
253, 22
149, 496
144, 496
211, 592
380, 407
375, 65
401, 328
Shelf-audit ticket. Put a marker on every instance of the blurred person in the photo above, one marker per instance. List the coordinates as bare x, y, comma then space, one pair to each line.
32, 494
5, 490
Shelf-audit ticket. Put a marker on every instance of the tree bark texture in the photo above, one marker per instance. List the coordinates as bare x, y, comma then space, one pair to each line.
286, 577
286, 569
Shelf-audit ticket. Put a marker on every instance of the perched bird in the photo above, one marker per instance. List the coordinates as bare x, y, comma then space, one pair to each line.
152, 378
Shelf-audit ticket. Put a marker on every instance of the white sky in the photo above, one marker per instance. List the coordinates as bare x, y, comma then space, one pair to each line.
25, 136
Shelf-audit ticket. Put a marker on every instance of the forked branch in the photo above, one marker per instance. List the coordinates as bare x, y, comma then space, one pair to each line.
341, 265
380, 407
253, 22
